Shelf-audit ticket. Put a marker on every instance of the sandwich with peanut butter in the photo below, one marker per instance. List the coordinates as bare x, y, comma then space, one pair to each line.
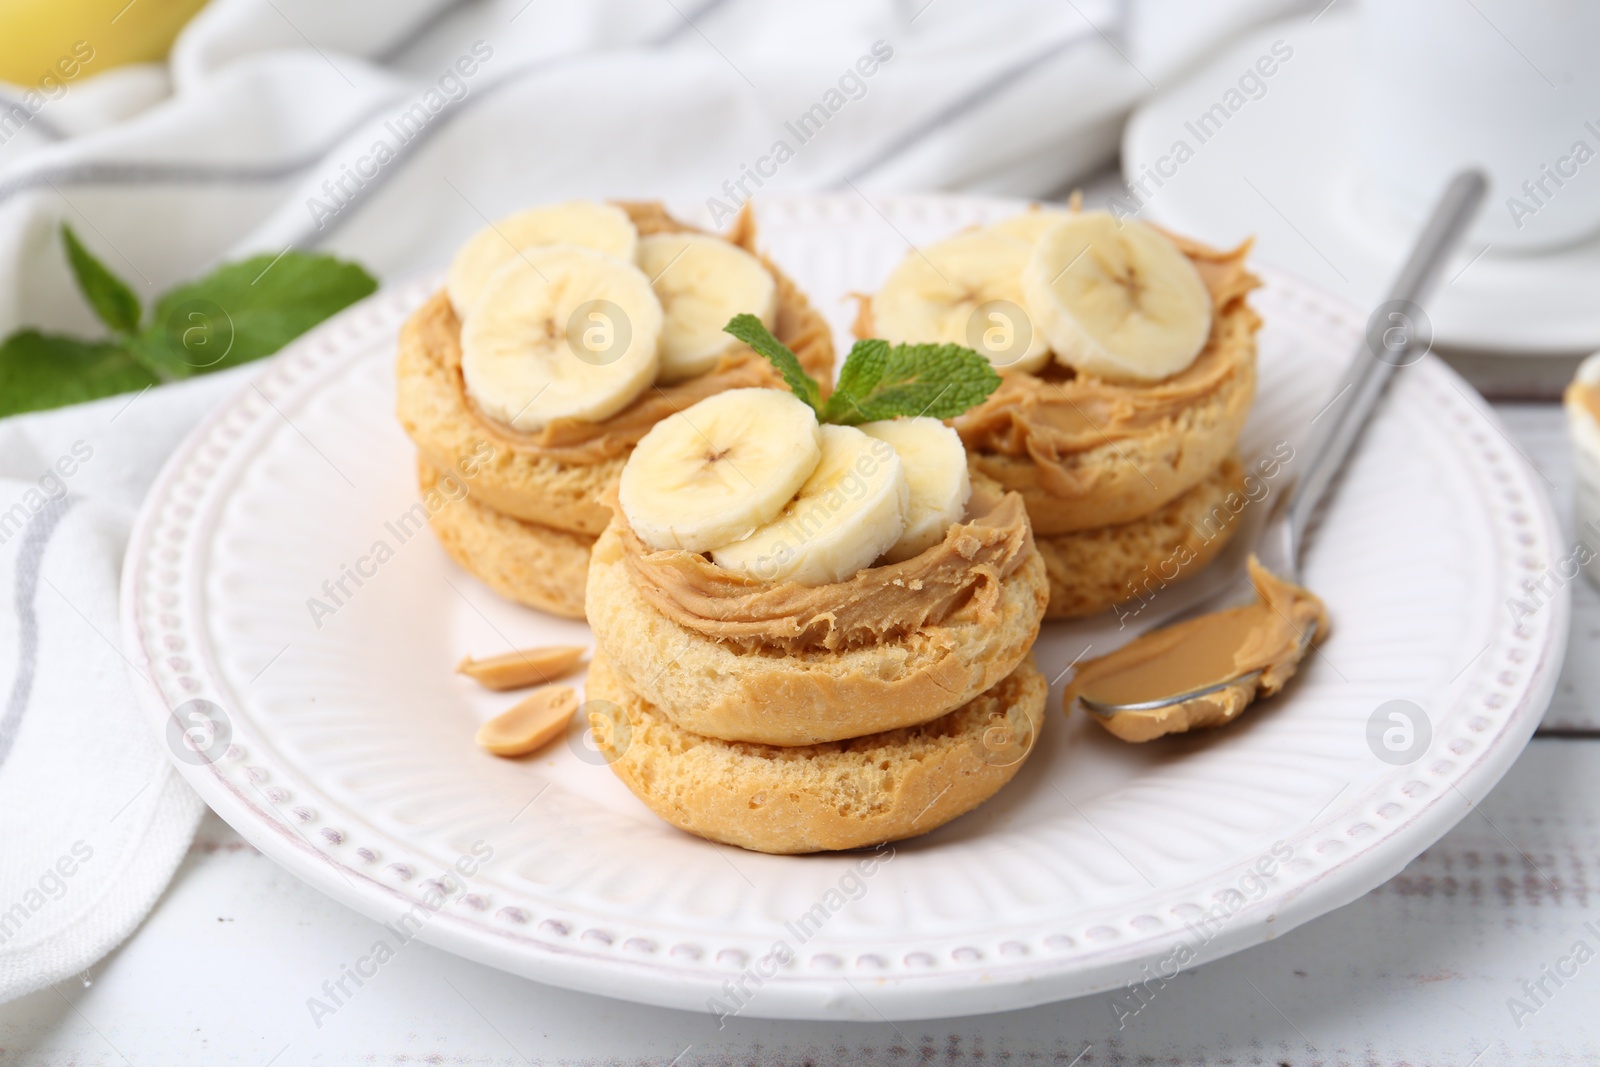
562, 336
812, 623
1127, 357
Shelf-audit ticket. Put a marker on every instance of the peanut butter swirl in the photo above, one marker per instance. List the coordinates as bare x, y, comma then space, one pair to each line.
961, 575
579, 442
1049, 416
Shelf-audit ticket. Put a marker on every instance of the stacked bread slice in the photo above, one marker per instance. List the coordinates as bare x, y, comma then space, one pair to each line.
1127, 357
799, 648
563, 335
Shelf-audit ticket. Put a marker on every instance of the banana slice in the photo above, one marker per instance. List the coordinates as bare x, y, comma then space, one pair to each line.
604, 227
720, 469
966, 290
935, 464
1117, 300
702, 282
1031, 225
848, 513
560, 332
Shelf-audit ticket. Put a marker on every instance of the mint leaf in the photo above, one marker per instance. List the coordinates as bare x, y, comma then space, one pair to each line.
243, 311
39, 370
748, 329
113, 302
239, 312
880, 382
863, 368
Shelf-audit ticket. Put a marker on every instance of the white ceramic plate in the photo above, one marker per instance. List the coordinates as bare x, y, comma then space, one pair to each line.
349, 756
1284, 168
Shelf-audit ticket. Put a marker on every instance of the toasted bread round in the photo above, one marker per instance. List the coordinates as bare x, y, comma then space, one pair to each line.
805, 697
521, 480
1133, 476
1091, 570
814, 798
1128, 475
531, 564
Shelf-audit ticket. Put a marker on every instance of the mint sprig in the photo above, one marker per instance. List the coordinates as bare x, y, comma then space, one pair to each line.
879, 380
39, 370
748, 329
237, 313
113, 302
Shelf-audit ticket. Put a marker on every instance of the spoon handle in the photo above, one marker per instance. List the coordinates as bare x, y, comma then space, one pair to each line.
1390, 337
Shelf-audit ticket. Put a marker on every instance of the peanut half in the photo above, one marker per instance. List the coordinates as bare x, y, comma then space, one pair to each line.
524, 667
531, 723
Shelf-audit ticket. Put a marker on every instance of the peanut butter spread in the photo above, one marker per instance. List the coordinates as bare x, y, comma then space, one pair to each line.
1055, 413
1262, 637
578, 442
961, 575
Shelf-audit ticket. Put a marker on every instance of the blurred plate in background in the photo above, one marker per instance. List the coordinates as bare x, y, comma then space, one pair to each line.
1282, 166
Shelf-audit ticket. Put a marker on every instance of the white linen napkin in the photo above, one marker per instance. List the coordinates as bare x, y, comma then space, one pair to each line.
387, 132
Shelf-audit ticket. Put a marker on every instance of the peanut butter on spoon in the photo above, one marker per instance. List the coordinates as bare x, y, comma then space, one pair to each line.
1226, 659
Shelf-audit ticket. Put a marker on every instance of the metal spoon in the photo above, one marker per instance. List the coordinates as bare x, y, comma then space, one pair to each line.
1279, 543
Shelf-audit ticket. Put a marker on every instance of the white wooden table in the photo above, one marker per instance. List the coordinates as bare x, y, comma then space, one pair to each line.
1419, 971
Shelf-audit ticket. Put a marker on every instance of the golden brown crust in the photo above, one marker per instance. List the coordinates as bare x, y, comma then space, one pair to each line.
844, 794
719, 690
1092, 570
531, 564
1121, 480
557, 477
